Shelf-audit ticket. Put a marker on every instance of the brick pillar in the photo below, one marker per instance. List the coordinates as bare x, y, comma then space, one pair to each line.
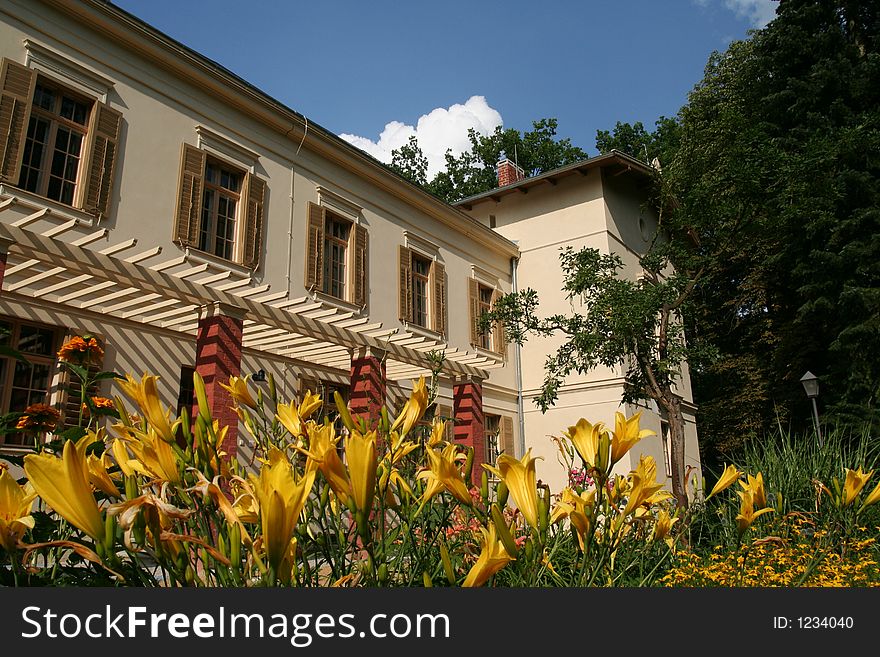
218, 356
470, 426
367, 392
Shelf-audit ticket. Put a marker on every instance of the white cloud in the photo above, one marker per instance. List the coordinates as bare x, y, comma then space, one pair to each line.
759, 12
436, 131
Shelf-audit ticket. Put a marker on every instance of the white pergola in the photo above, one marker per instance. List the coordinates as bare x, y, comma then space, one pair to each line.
64, 259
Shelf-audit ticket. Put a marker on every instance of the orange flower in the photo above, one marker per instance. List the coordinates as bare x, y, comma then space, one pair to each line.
101, 404
39, 418
81, 349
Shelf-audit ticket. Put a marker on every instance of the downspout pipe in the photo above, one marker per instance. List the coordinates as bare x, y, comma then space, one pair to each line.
517, 364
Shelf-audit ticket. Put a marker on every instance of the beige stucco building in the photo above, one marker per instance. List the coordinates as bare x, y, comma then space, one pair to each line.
154, 199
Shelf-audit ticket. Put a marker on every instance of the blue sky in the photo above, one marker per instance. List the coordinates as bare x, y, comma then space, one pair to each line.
370, 70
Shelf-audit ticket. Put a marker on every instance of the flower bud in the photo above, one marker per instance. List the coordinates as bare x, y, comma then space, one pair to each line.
447, 564
503, 531
502, 493
426, 580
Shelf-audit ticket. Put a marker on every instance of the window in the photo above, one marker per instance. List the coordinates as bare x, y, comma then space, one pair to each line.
187, 391
482, 299
56, 143
219, 208
493, 429
336, 257
25, 383
422, 300
326, 390
336, 234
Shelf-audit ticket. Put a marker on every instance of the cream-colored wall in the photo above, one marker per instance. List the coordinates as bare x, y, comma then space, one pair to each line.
161, 111
593, 210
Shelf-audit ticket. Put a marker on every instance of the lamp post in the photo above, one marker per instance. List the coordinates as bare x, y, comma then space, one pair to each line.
811, 386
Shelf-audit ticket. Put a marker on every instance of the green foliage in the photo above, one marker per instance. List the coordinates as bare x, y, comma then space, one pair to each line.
473, 171
634, 140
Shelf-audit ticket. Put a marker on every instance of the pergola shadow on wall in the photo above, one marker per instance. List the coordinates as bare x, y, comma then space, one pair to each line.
68, 261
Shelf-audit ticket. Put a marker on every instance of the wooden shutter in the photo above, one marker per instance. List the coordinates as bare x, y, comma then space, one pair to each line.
505, 436
188, 214
69, 385
315, 246
499, 344
359, 271
446, 412
100, 164
16, 91
474, 309
254, 199
438, 311
405, 309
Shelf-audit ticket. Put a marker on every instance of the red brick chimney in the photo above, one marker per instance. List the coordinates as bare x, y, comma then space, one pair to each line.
508, 172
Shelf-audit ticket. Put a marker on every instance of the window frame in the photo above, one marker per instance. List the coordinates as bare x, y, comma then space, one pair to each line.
334, 218
218, 190
55, 120
7, 377
424, 310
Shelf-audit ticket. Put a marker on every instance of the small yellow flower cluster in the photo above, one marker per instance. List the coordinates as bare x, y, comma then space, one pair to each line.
773, 562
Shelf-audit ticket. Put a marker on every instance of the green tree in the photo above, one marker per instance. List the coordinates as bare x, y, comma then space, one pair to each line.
473, 171
634, 140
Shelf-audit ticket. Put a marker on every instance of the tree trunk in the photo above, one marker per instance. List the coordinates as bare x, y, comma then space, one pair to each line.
672, 404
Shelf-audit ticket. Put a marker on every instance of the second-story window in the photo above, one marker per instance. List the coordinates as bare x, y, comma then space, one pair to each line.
482, 298
421, 269
219, 208
485, 305
422, 300
56, 143
336, 235
220, 201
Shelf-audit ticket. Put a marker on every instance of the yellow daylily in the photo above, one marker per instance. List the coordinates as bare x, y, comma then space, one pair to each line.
577, 508
444, 474
493, 557
438, 433
522, 482
644, 485
153, 456
63, 483
662, 526
360, 452
121, 456
99, 476
855, 482
626, 435
294, 417
414, 408
146, 395
756, 485
585, 438
15, 510
726, 480
873, 497
238, 388
747, 514
322, 448
281, 496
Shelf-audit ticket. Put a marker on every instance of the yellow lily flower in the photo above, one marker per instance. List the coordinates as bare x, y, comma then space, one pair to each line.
577, 508
585, 438
873, 497
322, 447
414, 408
493, 557
238, 388
522, 482
438, 433
281, 496
63, 483
747, 514
121, 456
360, 452
644, 484
444, 474
153, 456
15, 510
756, 485
725, 481
626, 435
99, 476
855, 482
663, 525
294, 417
146, 395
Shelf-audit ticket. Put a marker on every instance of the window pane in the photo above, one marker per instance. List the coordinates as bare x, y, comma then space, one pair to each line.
44, 98
36, 340
21, 377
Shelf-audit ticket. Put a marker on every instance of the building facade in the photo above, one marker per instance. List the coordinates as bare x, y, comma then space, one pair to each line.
150, 197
